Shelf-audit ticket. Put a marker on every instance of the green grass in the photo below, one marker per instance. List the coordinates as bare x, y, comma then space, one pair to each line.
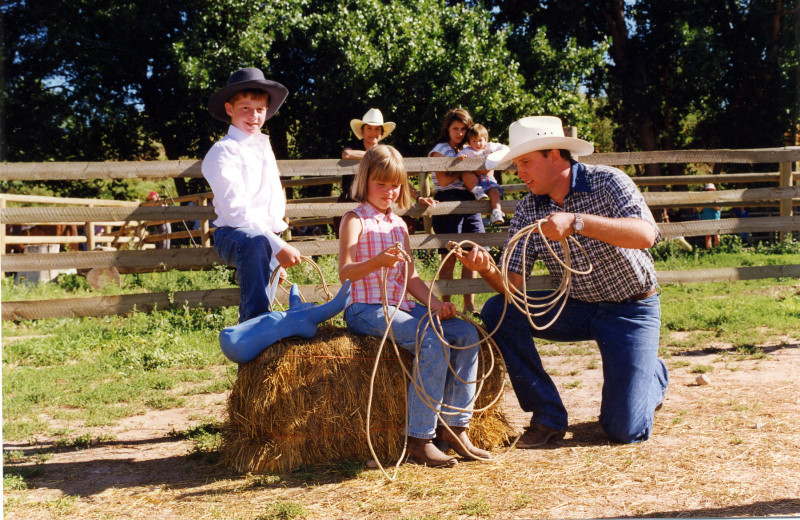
283, 510
475, 507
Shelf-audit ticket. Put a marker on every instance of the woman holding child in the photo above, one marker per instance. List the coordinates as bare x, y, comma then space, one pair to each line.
449, 186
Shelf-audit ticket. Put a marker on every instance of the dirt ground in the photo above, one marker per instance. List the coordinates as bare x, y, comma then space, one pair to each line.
727, 449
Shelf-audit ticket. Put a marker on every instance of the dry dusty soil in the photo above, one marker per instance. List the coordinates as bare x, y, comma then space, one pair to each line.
727, 449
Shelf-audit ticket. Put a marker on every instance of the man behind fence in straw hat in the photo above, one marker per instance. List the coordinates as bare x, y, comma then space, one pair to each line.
248, 196
617, 304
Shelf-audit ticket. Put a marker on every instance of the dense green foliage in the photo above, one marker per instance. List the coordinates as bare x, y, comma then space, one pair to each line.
109, 82
89, 80
685, 73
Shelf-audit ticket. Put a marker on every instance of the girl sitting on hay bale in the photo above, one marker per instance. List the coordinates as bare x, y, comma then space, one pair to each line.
372, 240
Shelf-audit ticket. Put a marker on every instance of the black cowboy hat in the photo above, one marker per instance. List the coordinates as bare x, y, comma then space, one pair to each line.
246, 79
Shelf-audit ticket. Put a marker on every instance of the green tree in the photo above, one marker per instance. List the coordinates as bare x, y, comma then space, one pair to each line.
111, 80
698, 73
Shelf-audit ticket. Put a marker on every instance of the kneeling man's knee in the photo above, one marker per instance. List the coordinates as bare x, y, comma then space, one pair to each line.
627, 430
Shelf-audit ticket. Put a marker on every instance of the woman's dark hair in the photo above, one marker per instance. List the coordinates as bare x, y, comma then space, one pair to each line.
454, 114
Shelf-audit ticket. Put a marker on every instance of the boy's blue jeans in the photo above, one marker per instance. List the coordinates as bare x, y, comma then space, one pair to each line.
439, 382
634, 378
251, 253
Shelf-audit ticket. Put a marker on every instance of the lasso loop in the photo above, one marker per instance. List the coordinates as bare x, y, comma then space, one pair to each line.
328, 295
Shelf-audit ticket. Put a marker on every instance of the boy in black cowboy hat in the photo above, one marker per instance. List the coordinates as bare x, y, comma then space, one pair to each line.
248, 197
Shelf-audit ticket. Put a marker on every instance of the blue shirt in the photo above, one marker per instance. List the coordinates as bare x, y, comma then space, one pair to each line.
618, 273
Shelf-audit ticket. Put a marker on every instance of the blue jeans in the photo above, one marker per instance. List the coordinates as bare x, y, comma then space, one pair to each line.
251, 253
634, 378
434, 375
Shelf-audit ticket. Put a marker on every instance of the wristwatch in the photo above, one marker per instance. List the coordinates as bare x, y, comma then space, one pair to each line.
577, 224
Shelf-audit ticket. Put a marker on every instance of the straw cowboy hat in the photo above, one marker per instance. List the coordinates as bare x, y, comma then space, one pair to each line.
247, 79
372, 117
537, 133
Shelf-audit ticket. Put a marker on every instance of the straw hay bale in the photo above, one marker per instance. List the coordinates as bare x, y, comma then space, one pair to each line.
304, 402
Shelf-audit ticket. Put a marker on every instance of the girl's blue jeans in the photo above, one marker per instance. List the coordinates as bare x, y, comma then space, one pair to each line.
634, 378
251, 253
439, 382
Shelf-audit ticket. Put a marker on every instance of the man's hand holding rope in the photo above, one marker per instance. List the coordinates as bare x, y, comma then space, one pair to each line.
479, 260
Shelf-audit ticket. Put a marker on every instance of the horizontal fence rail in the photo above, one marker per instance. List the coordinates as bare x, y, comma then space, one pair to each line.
133, 218
53, 215
189, 259
125, 304
190, 168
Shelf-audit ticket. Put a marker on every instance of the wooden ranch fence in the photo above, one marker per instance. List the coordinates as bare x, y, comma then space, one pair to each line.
125, 216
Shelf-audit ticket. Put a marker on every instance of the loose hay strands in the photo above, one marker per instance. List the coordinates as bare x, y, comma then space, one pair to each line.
302, 402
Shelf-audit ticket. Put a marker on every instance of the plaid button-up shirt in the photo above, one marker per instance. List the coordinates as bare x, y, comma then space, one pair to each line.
618, 273
380, 231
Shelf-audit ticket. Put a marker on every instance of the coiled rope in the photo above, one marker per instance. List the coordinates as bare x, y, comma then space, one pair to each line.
308, 259
528, 305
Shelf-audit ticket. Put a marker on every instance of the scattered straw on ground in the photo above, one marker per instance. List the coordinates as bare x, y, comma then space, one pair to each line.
731, 448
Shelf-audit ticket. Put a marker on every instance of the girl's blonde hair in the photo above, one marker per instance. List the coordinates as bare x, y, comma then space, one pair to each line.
382, 163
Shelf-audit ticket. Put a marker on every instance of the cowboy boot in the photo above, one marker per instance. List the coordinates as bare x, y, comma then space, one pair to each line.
243, 343
461, 434
423, 451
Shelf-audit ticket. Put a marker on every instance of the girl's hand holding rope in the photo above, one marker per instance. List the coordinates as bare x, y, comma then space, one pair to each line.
390, 256
444, 310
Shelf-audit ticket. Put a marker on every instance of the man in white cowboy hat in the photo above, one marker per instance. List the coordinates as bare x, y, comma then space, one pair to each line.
248, 196
616, 305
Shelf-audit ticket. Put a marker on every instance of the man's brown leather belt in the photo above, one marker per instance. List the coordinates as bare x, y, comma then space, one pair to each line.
642, 296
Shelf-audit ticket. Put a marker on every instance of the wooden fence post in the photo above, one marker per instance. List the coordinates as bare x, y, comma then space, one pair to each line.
425, 191
89, 232
204, 227
785, 181
2, 230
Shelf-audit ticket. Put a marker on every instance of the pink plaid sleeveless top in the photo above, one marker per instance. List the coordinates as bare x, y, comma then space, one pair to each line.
380, 231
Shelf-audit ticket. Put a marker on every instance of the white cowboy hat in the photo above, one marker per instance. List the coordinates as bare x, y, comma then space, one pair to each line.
537, 133
372, 117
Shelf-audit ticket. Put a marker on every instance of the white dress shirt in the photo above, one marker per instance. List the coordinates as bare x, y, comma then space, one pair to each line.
243, 175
